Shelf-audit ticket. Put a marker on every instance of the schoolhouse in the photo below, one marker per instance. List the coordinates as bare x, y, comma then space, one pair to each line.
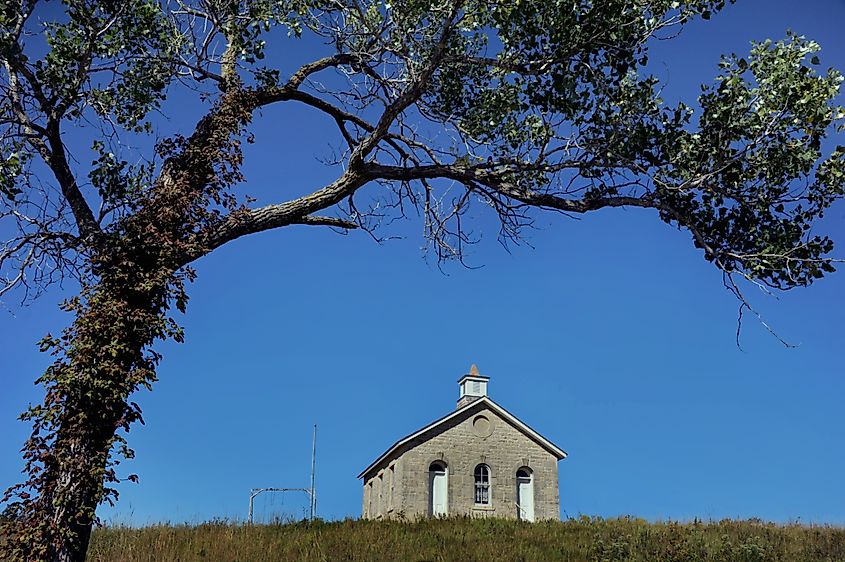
478, 460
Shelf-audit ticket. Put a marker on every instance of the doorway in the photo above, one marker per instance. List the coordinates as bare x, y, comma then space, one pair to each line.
525, 494
438, 486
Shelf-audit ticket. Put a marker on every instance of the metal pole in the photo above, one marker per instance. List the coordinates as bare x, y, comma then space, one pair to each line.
251, 497
253, 493
313, 467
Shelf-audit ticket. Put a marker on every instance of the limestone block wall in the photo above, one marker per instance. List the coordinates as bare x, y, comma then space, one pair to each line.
479, 437
383, 491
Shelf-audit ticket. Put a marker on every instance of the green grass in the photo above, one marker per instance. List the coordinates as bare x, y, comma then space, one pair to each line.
465, 540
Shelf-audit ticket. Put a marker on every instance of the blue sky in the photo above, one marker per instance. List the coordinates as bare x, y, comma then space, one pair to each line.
610, 335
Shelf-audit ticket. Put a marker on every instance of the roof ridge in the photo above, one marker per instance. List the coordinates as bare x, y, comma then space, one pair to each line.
519, 424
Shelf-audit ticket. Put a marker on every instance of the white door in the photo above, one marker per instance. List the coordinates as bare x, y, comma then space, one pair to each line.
439, 485
525, 497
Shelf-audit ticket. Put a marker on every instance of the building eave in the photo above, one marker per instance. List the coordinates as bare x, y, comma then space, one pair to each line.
473, 377
559, 453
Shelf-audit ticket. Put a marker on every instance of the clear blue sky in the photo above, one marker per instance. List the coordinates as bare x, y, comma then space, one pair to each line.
611, 336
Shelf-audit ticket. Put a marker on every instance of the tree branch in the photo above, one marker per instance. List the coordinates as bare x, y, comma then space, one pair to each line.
310, 68
85, 221
296, 211
54, 154
315, 220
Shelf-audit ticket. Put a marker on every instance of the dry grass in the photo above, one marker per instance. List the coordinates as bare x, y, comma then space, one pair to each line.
465, 540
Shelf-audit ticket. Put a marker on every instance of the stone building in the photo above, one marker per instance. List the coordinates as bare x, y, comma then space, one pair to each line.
479, 460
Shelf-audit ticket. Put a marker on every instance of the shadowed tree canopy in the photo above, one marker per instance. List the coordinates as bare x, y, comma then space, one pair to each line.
518, 106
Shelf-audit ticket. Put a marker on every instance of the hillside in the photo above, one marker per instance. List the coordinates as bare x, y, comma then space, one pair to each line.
584, 540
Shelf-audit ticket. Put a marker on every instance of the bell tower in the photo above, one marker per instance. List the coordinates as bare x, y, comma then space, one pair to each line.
473, 386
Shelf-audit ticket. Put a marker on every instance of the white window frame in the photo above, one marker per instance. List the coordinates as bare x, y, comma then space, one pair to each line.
482, 485
392, 478
381, 493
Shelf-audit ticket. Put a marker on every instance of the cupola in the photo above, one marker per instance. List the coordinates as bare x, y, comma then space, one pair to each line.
473, 386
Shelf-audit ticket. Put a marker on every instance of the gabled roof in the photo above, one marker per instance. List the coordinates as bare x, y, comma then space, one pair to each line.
486, 401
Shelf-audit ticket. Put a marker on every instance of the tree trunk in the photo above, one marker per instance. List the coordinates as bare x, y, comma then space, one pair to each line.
105, 355
78, 481
74, 548
102, 358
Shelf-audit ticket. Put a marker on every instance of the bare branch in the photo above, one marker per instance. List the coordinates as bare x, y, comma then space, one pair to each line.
314, 220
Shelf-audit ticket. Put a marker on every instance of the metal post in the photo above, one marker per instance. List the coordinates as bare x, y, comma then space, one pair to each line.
251, 498
310, 492
256, 491
313, 467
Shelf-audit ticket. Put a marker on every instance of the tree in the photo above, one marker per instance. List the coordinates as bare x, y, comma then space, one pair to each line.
517, 105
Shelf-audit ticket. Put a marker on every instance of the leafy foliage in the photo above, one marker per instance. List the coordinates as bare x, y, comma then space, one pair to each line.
119, 36
753, 159
446, 104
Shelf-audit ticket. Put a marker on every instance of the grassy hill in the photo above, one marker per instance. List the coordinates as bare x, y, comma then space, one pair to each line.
584, 540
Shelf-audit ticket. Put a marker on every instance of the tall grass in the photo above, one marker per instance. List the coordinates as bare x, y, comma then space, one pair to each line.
462, 539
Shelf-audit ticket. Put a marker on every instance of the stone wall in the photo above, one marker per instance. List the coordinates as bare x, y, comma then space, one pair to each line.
462, 444
383, 492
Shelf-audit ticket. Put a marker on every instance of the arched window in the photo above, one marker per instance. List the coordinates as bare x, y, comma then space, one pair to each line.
438, 489
482, 485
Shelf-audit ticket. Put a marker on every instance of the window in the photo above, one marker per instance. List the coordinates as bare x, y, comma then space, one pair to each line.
367, 500
482, 484
380, 493
392, 477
